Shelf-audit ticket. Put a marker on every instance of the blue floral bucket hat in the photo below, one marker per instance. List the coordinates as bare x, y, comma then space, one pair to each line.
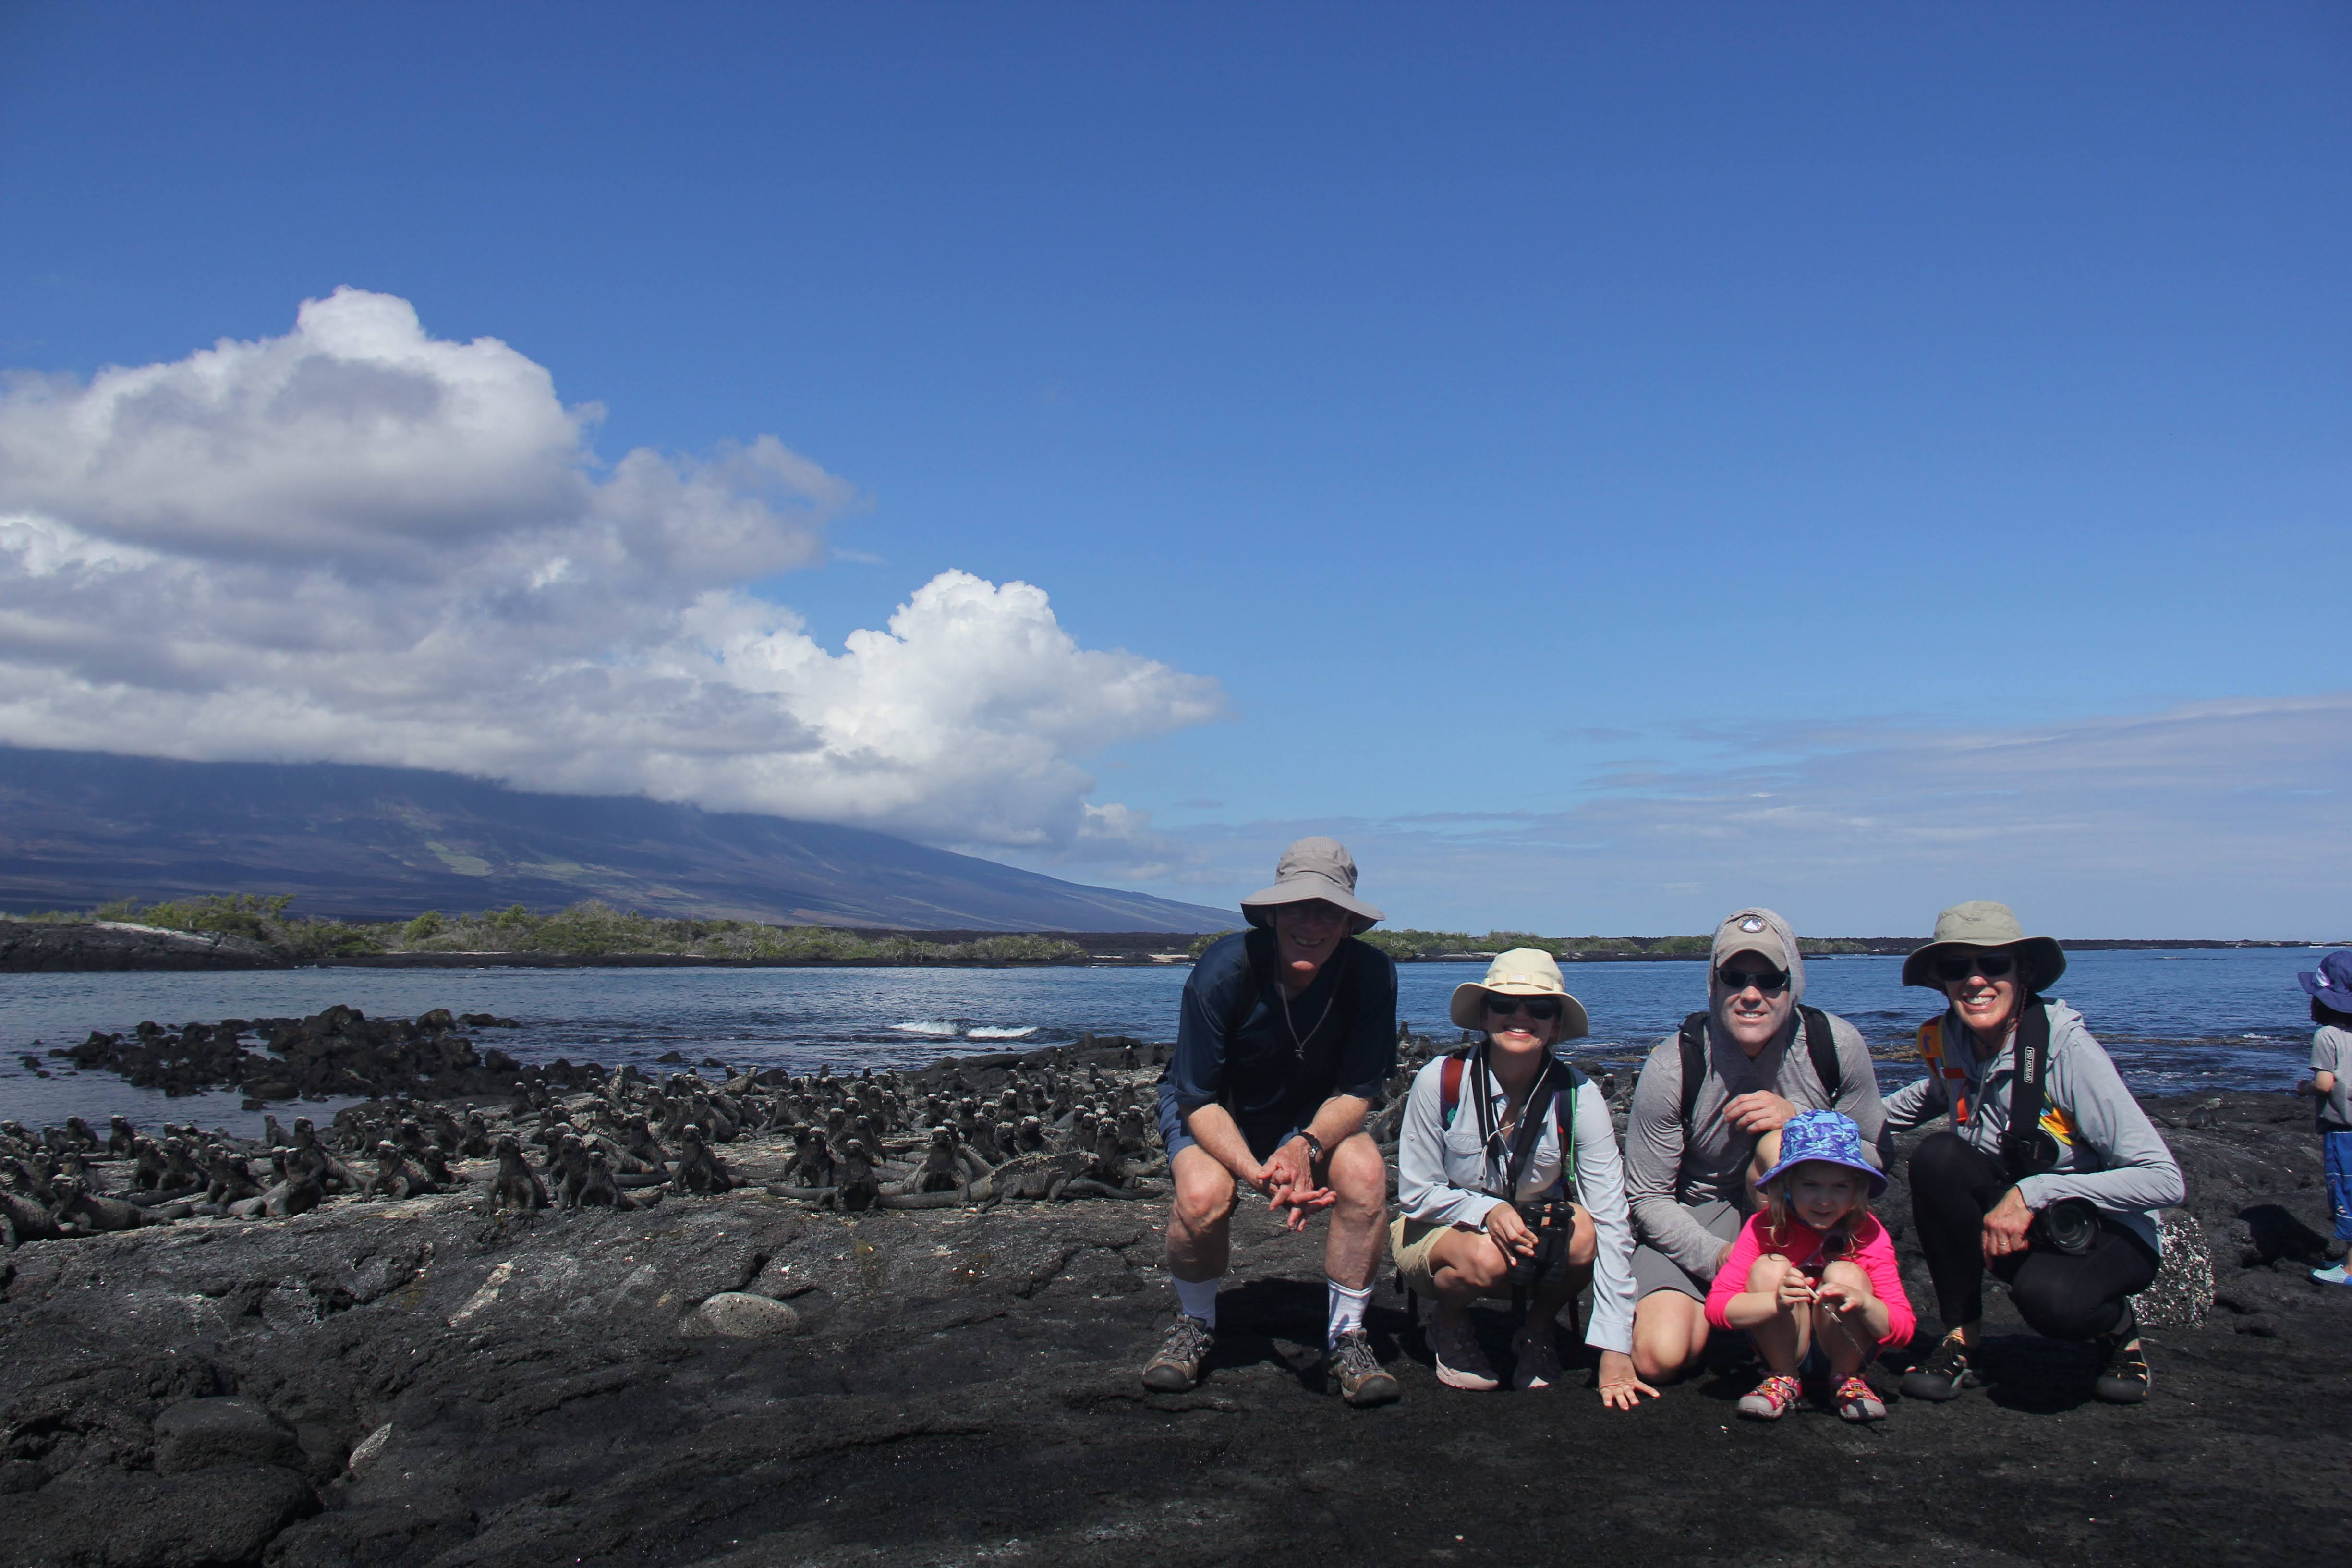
2331, 984
1827, 1135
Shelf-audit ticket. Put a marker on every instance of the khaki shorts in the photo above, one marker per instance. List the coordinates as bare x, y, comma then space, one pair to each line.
1410, 1241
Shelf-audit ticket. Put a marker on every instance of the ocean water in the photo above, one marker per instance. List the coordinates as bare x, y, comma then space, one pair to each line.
2173, 1020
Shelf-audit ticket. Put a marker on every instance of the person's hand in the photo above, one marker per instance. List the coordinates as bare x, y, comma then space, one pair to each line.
1290, 1183
2005, 1227
1510, 1232
1621, 1389
2305, 1088
1795, 1290
1839, 1299
1758, 1112
1722, 1257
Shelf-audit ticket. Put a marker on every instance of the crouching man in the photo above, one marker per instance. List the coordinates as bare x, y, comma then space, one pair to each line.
1287, 1033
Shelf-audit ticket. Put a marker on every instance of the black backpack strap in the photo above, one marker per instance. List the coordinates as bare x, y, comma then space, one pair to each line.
2025, 1149
1254, 976
1821, 1045
1693, 1038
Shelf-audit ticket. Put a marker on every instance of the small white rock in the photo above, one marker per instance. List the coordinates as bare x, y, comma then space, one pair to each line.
370, 1447
739, 1315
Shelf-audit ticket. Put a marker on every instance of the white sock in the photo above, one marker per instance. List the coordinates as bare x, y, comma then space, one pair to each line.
1198, 1297
1347, 1309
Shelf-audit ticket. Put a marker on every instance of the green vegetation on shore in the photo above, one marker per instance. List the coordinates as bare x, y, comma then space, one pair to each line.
588, 930
1419, 945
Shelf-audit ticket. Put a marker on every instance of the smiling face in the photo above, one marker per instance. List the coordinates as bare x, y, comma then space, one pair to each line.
1820, 1194
1753, 1014
1305, 934
1518, 1032
1985, 1003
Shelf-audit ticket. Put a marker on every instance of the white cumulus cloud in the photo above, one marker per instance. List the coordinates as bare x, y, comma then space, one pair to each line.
357, 542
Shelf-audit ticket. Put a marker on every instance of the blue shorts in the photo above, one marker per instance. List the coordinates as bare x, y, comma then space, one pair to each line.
2336, 1148
1173, 1134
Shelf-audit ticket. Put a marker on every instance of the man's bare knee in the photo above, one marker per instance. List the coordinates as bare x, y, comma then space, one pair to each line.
1204, 1192
1359, 1174
1670, 1333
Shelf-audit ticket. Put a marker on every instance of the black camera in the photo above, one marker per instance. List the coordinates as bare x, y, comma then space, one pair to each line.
2069, 1226
1553, 1221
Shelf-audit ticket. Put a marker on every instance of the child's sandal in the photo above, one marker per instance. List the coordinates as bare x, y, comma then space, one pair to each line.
1857, 1401
1772, 1398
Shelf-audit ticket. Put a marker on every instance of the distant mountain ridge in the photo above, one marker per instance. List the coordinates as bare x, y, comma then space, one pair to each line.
79, 828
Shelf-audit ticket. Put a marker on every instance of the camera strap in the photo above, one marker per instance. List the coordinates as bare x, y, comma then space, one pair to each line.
1551, 1082
2025, 1148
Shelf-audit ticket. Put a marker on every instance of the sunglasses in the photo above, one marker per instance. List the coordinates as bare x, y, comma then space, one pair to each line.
1764, 980
1992, 965
1536, 1008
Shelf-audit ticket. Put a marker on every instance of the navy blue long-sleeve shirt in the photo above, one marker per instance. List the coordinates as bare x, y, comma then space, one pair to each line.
1273, 1072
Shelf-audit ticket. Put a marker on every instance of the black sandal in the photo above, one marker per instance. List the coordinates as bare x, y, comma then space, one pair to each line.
2124, 1380
1942, 1375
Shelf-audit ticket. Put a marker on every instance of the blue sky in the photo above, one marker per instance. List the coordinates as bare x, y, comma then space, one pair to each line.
1614, 464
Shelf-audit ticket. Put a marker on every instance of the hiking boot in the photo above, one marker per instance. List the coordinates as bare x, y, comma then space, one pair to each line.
1460, 1362
1361, 1378
1943, 1375
1857, 1401
1772, 1398
2124, 1379
1176, 1366
1536, 1363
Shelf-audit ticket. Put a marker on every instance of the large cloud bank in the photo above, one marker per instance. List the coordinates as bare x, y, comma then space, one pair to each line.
2209, 819
359, 544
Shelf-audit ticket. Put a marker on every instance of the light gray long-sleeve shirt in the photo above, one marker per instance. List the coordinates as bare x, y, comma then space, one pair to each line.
2117, 1159
1668, 1164
1444, 1174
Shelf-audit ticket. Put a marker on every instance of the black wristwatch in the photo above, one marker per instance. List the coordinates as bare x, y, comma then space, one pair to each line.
1315, 1155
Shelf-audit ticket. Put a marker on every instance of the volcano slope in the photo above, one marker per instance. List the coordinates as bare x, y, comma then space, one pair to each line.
411, 1383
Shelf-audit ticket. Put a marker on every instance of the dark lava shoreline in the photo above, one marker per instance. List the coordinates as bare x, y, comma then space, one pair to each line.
40, 947
413, 1382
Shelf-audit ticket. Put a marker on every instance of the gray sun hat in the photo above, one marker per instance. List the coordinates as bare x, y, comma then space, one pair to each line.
1980, 922
1313, 868
1522, 972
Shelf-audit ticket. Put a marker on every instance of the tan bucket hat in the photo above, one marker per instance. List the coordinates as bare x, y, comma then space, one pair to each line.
1980, 922
1312, 868
1522, 972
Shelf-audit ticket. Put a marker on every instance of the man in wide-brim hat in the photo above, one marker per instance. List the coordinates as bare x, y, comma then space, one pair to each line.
1286, 1034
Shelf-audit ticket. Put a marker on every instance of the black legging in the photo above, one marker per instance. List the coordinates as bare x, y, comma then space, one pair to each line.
1953, 1185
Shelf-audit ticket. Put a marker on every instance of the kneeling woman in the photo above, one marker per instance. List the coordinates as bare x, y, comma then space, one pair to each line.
1484, 1178
2051, 1175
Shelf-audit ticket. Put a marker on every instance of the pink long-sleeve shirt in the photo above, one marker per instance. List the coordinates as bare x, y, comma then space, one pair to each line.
1802, 1246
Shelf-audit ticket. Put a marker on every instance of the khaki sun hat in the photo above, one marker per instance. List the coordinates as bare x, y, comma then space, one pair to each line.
1312, 868
1980, 922
1522, 972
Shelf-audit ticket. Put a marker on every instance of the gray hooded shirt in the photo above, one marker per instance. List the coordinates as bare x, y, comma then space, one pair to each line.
2118, 1161
1669, 1165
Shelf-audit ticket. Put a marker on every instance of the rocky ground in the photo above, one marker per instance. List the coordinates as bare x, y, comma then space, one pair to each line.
36, 946
412, 1382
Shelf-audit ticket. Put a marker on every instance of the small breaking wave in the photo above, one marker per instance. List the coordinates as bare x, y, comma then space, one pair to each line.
929, 1029
990, 1032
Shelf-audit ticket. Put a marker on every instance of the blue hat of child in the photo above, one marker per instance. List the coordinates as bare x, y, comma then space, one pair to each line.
1827, 1135
2332, 984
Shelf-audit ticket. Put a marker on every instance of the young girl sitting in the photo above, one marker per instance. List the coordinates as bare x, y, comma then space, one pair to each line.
1813, 1268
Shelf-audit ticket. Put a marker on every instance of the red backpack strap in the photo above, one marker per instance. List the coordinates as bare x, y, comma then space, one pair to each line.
1449, 1089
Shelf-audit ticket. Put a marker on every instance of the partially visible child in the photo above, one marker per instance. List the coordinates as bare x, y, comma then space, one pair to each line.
2331, 1065
1813, 1268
